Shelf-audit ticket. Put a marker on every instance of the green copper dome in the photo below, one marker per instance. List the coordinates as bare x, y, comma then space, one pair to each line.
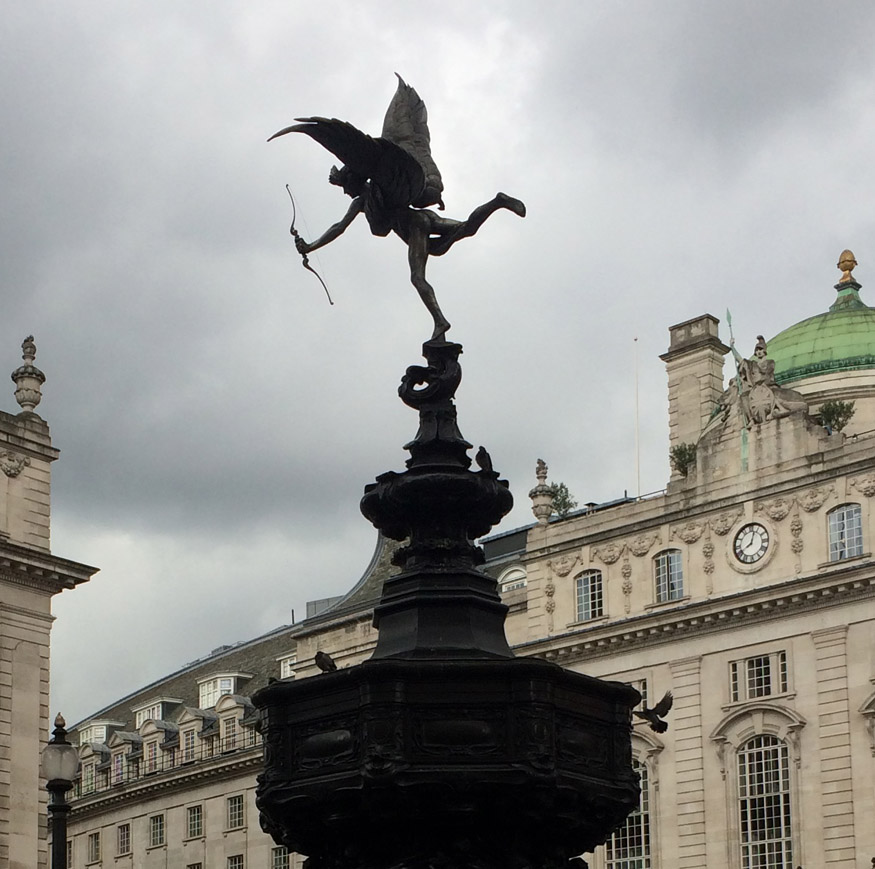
842, 339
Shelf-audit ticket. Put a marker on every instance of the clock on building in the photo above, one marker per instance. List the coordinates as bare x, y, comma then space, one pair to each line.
751, 543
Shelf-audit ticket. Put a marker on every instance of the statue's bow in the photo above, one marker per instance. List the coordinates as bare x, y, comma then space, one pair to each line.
296, 235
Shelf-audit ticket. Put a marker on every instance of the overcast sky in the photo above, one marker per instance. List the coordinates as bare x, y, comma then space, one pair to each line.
218, 420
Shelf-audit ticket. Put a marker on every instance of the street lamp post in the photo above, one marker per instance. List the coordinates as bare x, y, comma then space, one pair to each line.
60, 766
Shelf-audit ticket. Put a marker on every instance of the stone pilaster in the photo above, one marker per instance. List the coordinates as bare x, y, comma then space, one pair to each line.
694, 363
686, 723
834, 737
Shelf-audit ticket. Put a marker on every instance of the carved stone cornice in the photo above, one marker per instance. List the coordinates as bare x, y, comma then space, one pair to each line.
40, 570
711, 614
181, 778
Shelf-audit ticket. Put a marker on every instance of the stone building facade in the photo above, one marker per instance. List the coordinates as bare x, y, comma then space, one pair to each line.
29, 576
746, 589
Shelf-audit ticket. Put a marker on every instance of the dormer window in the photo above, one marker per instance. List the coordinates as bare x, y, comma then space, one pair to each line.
144, 715
287, 666
93, 733
155, 709
512, 579
210, 690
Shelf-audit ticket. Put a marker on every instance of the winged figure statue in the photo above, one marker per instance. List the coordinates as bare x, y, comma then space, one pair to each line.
393, 180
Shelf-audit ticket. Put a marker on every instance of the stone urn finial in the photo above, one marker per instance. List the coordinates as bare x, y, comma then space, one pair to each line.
846, 263
28, 379
542, 497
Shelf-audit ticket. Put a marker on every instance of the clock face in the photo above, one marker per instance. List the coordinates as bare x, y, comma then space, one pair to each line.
751, 543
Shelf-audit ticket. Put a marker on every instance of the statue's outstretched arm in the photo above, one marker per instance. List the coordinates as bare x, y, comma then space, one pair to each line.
335, 230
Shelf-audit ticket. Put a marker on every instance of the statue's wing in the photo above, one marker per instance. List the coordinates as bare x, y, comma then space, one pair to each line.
397, 176
406, 125
353, 147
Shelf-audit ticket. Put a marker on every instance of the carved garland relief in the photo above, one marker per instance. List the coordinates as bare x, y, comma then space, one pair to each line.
689, 533
609, 553
814, 498
865, 485
777, 509
641, 544
13, 464
724, 522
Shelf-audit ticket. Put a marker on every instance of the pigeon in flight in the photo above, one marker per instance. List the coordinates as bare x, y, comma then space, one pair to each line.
325, 662
655, 715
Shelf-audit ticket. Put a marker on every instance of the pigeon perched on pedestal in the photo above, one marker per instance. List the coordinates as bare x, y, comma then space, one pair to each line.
325, 662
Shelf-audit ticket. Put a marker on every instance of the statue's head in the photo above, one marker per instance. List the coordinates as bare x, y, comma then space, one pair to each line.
760, 350
352, 184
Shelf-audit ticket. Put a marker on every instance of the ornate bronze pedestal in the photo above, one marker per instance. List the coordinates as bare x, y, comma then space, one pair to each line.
444, 749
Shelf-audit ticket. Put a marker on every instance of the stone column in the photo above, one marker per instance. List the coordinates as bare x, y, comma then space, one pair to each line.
834, 738
686, 724
694, 363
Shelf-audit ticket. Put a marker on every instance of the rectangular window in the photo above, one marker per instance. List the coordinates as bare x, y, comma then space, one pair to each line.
590, 600
150, 712
764, 804
761, 676
235, 812
279, 858
669, 576
156, 831
94, 733
69, 854
87, 778
640, 685
845, 532
118, 768
188, 746
93, 849
123, 839
194, 866
195, 822
287, 667
235, 862
629, 846
229, 734
151, 757
211, 690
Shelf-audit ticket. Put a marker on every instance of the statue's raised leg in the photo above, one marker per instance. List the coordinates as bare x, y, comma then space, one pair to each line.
448, 232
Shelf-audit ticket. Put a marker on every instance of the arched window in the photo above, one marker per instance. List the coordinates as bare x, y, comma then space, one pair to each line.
759, 749
669, 575
590, 596
845, 532
629, 846
512, 579
764, 804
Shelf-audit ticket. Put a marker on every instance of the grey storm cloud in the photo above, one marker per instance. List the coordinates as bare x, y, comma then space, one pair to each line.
218, 420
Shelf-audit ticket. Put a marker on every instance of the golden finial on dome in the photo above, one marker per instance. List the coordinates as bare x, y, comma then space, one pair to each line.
846, 263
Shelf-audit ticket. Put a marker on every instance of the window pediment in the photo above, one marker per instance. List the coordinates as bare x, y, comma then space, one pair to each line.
757, 719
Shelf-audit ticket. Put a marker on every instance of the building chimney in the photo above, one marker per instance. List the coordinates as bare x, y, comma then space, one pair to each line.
694, 363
